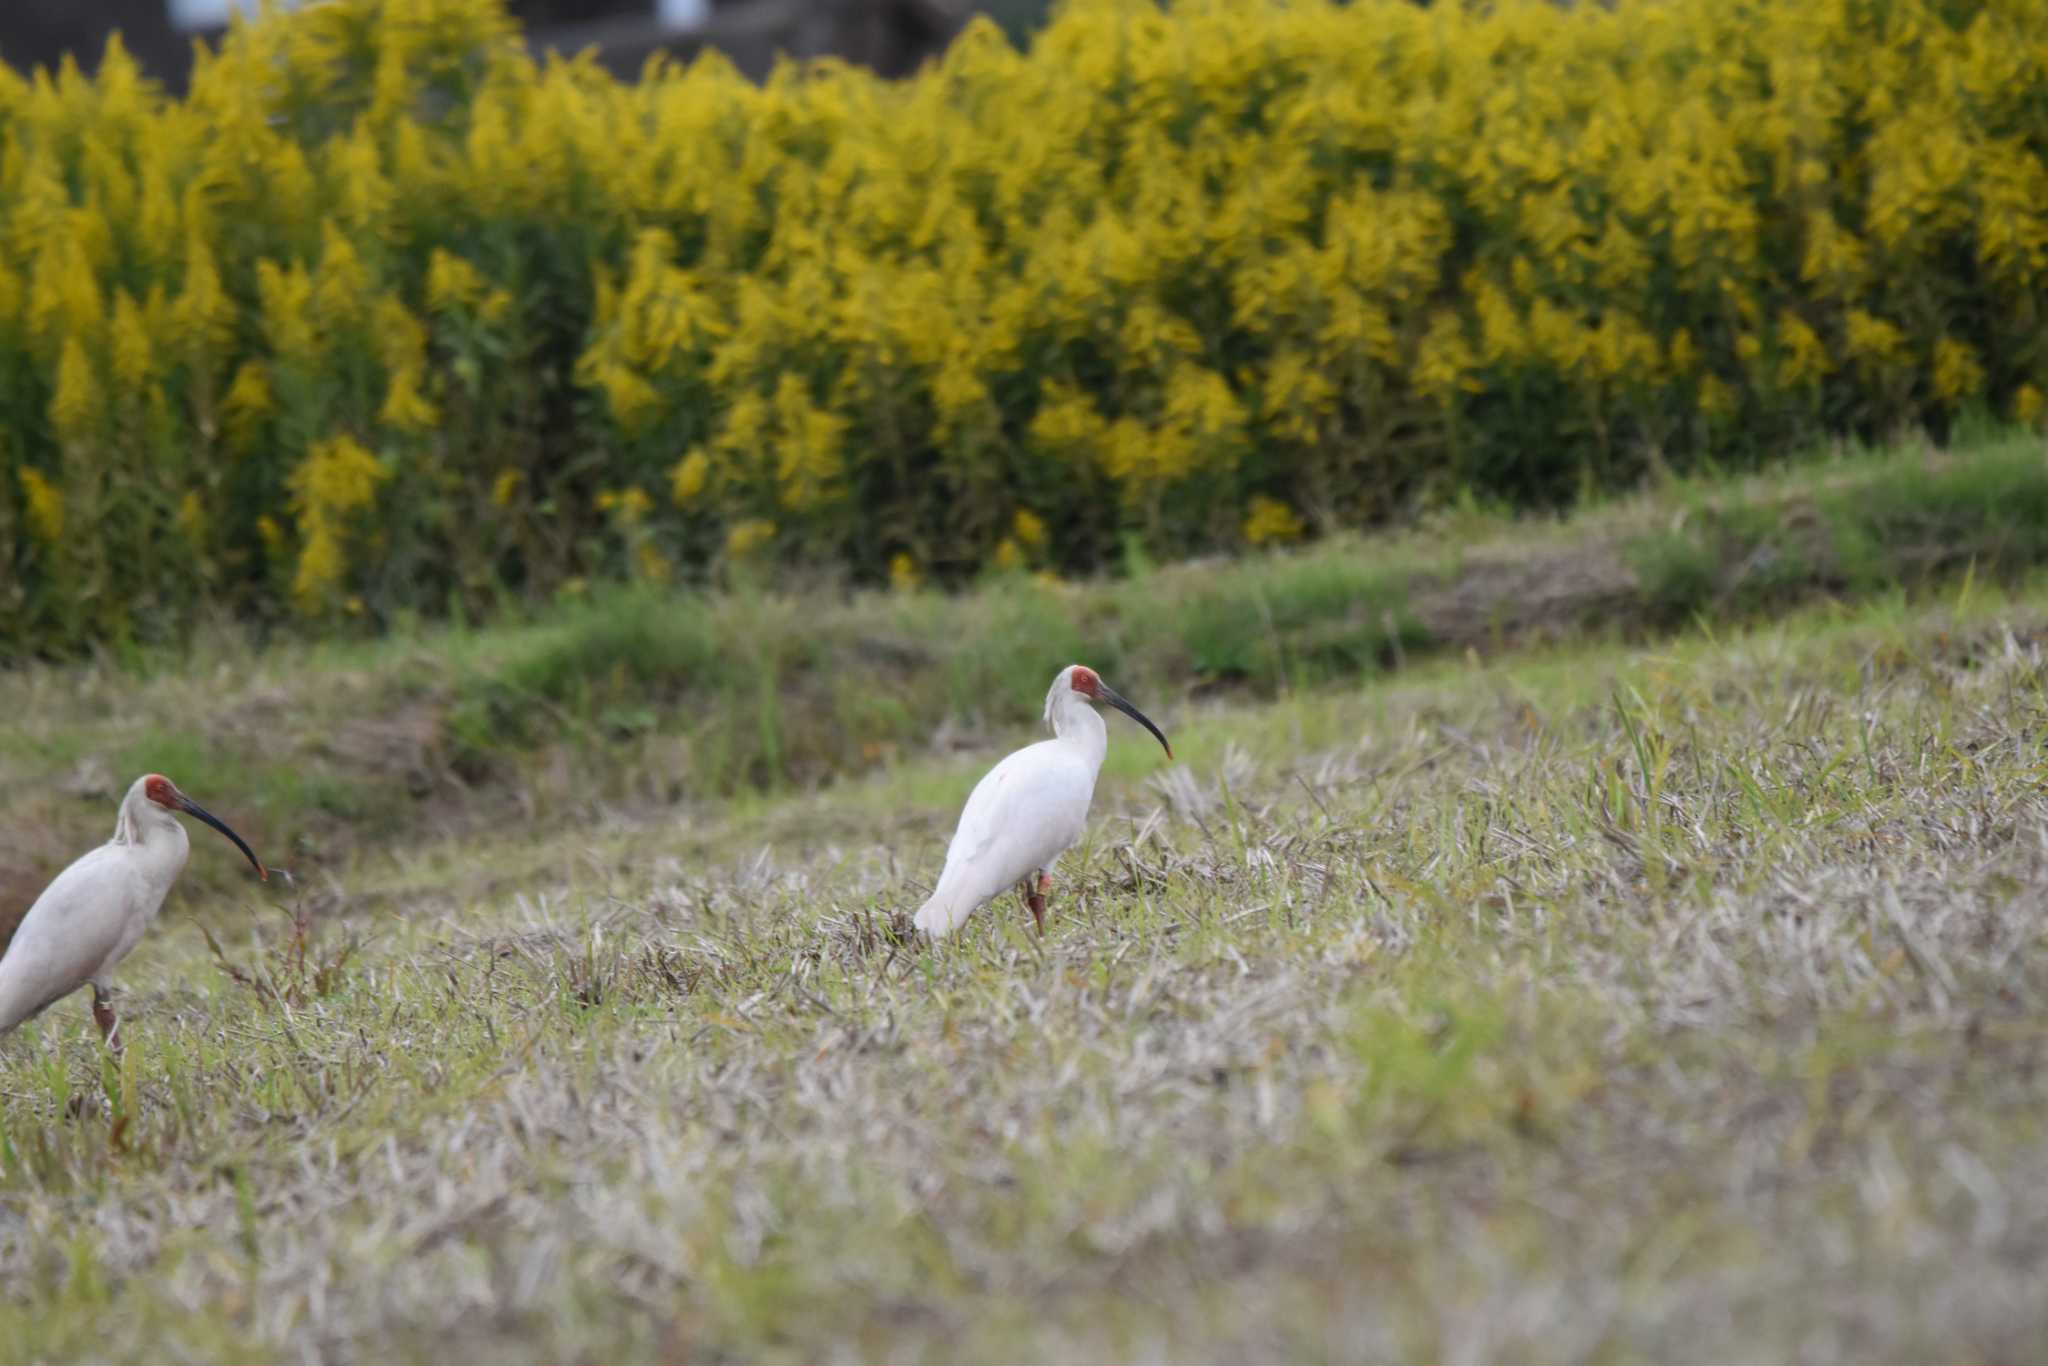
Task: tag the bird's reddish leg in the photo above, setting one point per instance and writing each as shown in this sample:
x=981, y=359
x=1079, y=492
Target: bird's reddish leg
x=1035, y=899
x=109, y=1023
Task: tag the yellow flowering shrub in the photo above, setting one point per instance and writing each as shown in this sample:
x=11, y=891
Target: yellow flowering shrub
x=337, y=478
x=1269, y=521
x=747, y=537
x=45, y=506
x=903, y=573
x=1185, y=271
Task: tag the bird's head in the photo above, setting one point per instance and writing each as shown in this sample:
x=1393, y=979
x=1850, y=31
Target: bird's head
x=1079, y=679
x=160, y=791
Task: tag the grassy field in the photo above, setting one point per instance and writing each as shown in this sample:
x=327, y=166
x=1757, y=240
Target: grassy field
x=1598, y=1000
x=642, y=701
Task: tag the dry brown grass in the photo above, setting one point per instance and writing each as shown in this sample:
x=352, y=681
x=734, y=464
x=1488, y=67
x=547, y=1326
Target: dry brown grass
x=1593, y=1006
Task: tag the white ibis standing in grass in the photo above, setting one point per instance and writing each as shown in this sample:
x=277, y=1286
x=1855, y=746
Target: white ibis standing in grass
x=1030, y=808
x=92, y=915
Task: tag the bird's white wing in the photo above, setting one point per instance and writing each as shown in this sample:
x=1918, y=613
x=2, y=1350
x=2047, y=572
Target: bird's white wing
x=69, y=932
x=1026, y=812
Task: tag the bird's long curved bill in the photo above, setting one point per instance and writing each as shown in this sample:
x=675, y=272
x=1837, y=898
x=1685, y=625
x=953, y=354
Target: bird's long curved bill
x=1122, y=704
x=198, y=812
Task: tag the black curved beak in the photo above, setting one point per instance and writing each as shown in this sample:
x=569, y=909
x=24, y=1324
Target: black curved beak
x=1122, y=704
x=198, y=812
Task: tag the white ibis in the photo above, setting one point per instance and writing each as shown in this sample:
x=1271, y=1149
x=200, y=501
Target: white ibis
x=88, y=919
x=1030, y=808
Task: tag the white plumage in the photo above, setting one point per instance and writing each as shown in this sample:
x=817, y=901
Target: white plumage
x=1030, y=808
x=95, y=911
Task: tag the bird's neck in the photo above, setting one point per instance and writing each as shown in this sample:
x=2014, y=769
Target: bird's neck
x=155, y=834
x=1080, y=725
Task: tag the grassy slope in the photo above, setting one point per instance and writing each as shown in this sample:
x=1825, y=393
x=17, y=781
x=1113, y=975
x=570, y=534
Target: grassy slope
x=639, y=702
x=1602, y=1002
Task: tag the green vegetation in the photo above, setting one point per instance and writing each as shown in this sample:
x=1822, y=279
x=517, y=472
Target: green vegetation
x=639, y=695
x=1608, y=1003
x=1902, y=522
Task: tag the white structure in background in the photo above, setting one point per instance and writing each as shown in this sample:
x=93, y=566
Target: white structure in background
x=682, y=13
x=192, y=15
x=201, y=14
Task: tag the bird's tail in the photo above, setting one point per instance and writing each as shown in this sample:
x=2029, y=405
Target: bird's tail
x=946, y=911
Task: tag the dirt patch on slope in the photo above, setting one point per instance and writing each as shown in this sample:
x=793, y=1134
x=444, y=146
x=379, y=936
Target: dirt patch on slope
x=1525, y=597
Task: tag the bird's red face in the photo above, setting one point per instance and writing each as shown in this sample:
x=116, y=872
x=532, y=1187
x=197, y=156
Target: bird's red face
x=1089, y=684
x=163, y=792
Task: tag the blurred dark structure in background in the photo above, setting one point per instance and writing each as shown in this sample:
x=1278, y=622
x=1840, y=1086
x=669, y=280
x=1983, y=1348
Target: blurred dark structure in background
x=892, y=37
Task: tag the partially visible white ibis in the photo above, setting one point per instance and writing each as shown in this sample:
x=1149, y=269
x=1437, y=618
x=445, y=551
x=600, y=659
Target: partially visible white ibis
x=88, y=919
x=1030, y=808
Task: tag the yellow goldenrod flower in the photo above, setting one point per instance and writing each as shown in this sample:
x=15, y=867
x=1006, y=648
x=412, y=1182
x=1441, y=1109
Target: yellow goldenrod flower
x=1957, y=372
x=1502, y=338
x=75, y=404
x=157, y=227
x=808, y=465
x=1716, y=399
x=632, y=399
x=65, y=298
x=957, y=390
x=341, y=294
x=134, y=354
x=2028, y=404
x=321, y=565
x=903, y=573
x=405, y=408
x=45, y=505
x=451, y=282
x=747, y=537
x=1296, y=396
x=1270, y=521
x=629, y=507
x=337, y=477
x=1803, y=359
x=354, y=167
x=1684, y=353
x=1871, y=341
x=1066, y=419
x=401, y=337
x=202, y=315
x=1443, y=363
x=247, y=403
x=287, y=301
x=192, y=518
x=688, y=478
